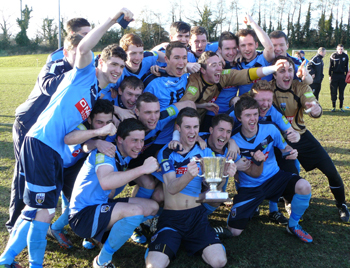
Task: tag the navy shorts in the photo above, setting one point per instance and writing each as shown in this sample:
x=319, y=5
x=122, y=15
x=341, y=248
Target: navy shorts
x=190, y=225
x=248, y=199
x=42, y=169
x=92, y=221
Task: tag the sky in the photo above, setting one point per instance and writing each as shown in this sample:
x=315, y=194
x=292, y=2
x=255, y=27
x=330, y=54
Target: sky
x=10, y=10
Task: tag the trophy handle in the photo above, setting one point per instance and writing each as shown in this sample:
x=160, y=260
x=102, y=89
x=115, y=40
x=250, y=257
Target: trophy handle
x=197, y=161
x=228, y=161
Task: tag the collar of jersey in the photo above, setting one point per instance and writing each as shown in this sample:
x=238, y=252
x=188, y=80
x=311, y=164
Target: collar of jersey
x=137, y=72
x=251, y=139
x=205, y=82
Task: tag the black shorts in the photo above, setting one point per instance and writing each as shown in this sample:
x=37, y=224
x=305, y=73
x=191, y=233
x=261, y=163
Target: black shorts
x=92, y=221
x=248, y=199
x=190, y=225
x=42, y=169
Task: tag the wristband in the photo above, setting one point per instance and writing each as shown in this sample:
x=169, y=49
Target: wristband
x=268, y=70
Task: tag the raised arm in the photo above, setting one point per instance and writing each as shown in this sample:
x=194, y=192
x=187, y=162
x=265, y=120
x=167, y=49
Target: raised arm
x=84, y=55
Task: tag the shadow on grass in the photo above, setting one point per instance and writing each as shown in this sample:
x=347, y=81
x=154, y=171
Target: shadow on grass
x=337, y=113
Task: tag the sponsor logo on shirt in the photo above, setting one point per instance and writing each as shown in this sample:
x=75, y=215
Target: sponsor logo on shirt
x=181, y=170
x=192, y=90
x=226, y=71
x=40, y=198
x=285, y=120
x=213, y=100
x=83, y=108
x=76, y=152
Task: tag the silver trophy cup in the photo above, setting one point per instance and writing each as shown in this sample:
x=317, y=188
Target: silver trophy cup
x=213, y=170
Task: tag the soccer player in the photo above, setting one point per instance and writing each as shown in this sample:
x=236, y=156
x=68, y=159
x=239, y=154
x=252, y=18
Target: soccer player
x=293, y=98
x=338, y=68
x=204, y=87
x=27, y=113
x=87, y=136
x=77, y=25
x=252, y=136
x=43, y=146
x=124, y=98
x=248, y=43
x=198, y=40
x=93, y=209
x=170, y=86
x=183, y=218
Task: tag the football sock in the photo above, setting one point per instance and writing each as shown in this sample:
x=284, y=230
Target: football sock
x=339, y=194
x=273, y=206
x=299, y=204
x=37, y=243
x=119, y=234
x=16, y=242
x=62, y=221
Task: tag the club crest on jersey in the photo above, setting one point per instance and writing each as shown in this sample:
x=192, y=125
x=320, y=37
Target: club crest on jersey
x=40, y=198
x=83, y=108
x=264, y=143
x=153, y=238
x=105, y=208
x=283, y=106
x=233, y=212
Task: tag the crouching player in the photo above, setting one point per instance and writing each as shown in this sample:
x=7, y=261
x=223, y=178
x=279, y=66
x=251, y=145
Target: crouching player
x=93, y=209
x=252, y=136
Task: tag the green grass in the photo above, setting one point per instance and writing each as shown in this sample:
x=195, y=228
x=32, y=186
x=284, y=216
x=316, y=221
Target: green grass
x=262, y=244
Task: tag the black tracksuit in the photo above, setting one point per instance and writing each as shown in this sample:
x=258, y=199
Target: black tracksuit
x=315, y=67
x=338, y=69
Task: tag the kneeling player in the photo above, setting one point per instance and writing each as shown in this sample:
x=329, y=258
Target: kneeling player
x=93, y=209
x=273, y=182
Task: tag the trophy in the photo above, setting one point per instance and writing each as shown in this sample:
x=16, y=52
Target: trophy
x=213, y=173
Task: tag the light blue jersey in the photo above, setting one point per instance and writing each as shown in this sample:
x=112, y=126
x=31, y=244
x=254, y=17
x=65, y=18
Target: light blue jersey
x=87, y=190
x=69, y=106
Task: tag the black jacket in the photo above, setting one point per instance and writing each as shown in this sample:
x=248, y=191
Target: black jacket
x=315, y=66
x=338, y=64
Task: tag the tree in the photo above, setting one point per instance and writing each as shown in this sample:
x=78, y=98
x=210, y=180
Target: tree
x=5, y=27
x=307, y=25
x=22, y=38
x=49, y=32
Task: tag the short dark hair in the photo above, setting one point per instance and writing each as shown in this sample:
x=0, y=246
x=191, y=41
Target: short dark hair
x=146, y=97
x=245, y=103
x=284, y=58
x=113, y=50
x=179, y=27
x=129, y=125
x=171, y=46
x=204, y=58
x=340, y=45
x=102, y=106
x=199, y=30
x=227, y=36
x=188, y=112
x=131, y=81
x=72, y=41
x=278, y=34
x=221, y=117
x=75, y=24
x=246, y=32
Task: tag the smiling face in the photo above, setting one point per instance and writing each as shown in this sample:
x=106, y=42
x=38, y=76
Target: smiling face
x=177, y=62
x=198, y=44
x=135, y=57
x=219, y=136
x=111, y=69
x=132, y=144
x=264, y=98
x=129, y=96
x=188, y=131
x=149, y=114
x=249, y=119
x=212, y=73
x=284, y=76
x=247, y=47
x=280, y=46
x=229, y=50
